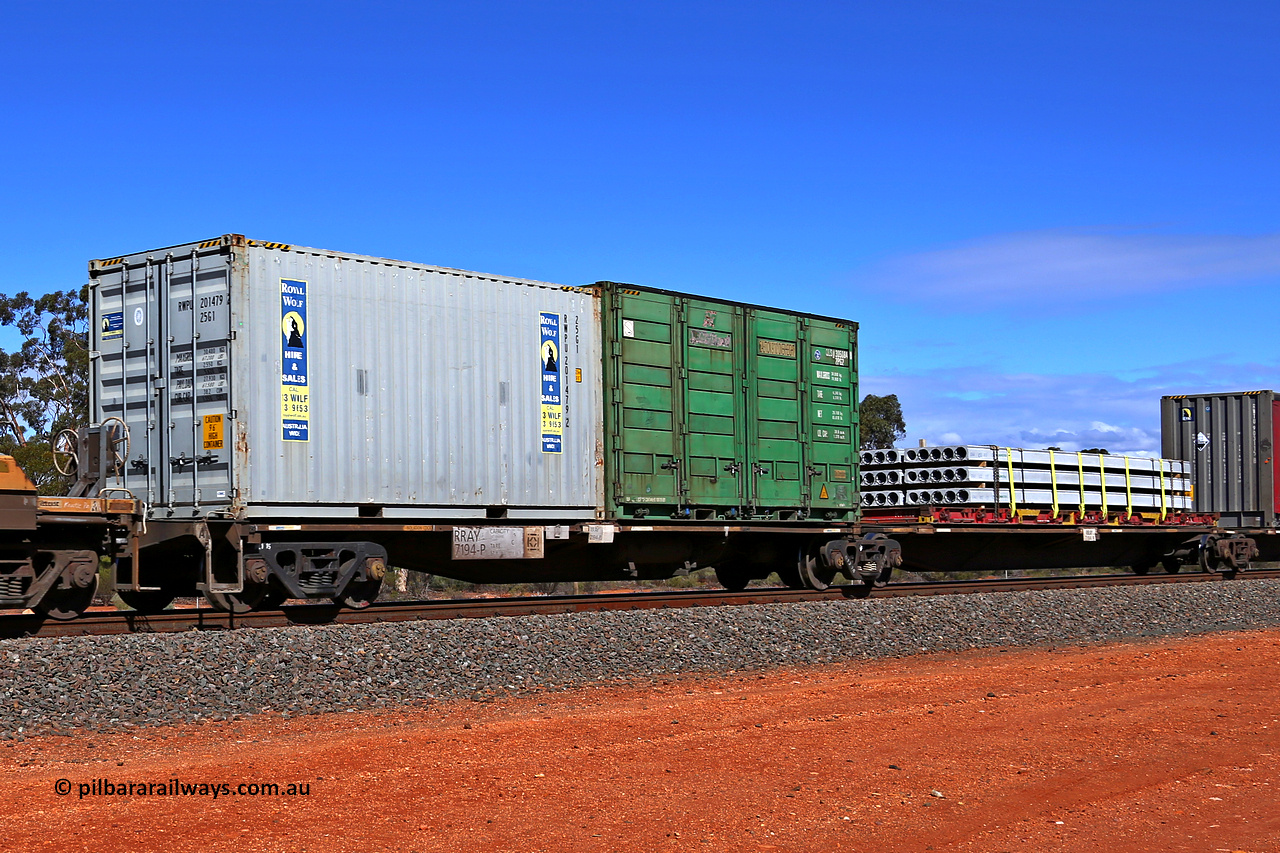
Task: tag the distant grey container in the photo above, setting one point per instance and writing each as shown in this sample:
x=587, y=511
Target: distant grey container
x=419, y=391
x=1230, y=440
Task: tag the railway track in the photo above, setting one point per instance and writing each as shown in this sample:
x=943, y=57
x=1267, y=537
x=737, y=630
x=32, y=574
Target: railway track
x=103, y=623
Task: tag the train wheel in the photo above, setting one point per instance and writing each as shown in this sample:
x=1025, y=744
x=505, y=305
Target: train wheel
x=813, y=575
x=360, y=595
x=146, y=600
x=1141, y=568
x=732, y=578
x=1172, y=565
x=67, y=604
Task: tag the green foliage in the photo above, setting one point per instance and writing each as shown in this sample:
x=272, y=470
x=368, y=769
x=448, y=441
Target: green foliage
x=44, y=384
x=881, y=421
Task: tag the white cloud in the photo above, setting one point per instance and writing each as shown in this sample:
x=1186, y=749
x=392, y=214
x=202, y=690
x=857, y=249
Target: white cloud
x=1066, y=266
x=1072, y=411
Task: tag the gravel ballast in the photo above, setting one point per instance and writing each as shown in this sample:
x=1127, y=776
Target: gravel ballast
x=55, y=685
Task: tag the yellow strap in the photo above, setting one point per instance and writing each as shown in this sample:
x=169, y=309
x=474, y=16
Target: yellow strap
x=1013, y=495
x=1160, y=465
x=1053, y=483
x=1128, y=492
x=1102, y=471
x=1080, y=462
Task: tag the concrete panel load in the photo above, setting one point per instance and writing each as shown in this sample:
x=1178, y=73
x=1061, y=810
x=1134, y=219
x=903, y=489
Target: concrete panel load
x=1024, y=480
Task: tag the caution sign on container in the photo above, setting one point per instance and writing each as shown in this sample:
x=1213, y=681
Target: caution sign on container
x=549, y=358
x=213, y=432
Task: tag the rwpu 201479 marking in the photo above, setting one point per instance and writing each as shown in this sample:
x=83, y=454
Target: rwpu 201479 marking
x=295, y=404
x=550, y=357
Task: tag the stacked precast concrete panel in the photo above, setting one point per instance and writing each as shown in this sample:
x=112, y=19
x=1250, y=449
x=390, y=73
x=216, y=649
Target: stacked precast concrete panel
x=990, y=508
x=1030, y=480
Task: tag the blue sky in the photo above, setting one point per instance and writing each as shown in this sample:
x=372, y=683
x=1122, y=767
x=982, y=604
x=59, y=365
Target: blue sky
x=1043, y=215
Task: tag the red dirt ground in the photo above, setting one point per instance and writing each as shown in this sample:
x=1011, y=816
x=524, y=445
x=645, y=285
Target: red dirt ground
x=1170, y=745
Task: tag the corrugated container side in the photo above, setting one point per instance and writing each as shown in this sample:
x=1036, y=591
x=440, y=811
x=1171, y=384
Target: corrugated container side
x=1230, y=441
x=717, y=409
x=360, y=385
x=425, y=387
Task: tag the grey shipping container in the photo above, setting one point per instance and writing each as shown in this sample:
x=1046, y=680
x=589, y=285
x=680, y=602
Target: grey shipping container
x=262, y=380
x=1230, y=440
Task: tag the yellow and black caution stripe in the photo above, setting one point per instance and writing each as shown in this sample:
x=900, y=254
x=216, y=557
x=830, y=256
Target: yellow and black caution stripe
x=110, y=262
x=284, y=247
x=208, y=244
x=1236, y=394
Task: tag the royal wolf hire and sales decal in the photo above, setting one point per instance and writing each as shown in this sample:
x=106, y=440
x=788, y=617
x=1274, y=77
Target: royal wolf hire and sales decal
x=295, y=406
x=550, y=357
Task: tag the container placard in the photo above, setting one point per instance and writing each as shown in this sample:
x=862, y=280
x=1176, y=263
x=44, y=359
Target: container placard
x=295, y=405
x=777, y=349
x=710, y=338
x=213, y=432
x=113, y=325
x=497, y=543
x=549, y=357
x=830, y=355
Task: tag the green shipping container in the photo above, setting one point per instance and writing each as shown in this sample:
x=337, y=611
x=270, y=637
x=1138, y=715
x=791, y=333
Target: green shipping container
x=721, y=410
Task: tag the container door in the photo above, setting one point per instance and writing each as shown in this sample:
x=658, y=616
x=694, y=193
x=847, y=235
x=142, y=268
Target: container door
x=126, y=331
x=645, y=363
x=715, y=460
x=774, y=436
x=196, y=410
x=1270, y=465
x=831, y=418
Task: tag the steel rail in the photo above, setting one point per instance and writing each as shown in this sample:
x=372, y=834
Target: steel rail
x=102, y=623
